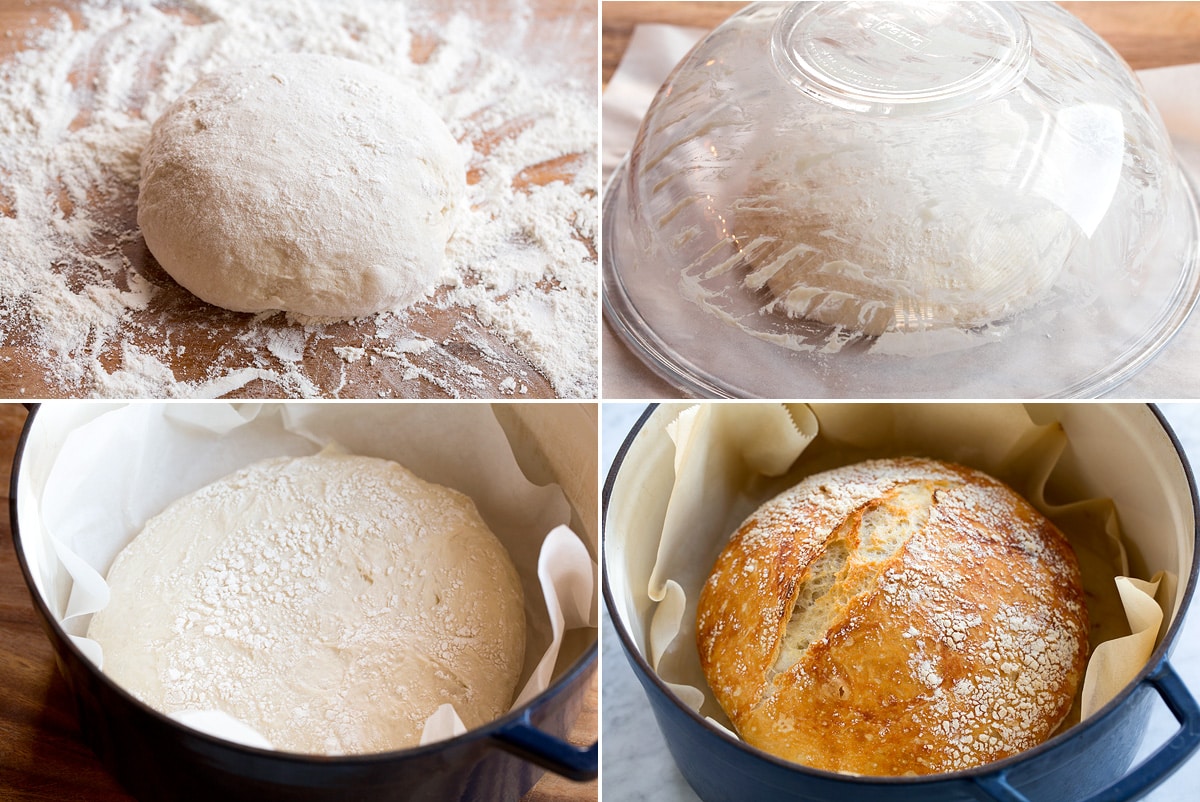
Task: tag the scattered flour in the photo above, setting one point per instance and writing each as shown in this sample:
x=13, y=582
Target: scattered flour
x=84, y=312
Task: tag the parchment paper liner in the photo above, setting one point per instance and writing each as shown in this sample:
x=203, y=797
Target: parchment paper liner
x=98, y=477
x=729, y=458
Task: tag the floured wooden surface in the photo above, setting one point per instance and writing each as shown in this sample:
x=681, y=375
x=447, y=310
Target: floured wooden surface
x=87, y=311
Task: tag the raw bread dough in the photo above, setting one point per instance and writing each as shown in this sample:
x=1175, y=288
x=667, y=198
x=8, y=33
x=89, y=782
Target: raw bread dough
x=891, y=226
x=331, y=602
x=310, y=184
x=981, y=264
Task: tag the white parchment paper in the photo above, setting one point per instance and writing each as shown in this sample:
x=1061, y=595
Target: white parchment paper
x=100, y=472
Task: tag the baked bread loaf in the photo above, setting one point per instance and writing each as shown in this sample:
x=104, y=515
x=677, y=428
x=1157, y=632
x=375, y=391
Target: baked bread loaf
x=893, y=617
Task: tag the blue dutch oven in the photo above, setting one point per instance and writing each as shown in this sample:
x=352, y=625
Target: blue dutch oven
x=1090, y=761
x=157, y=759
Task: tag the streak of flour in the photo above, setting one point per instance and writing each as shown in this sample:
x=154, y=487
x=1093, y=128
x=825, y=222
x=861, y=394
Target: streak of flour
x=76, y=105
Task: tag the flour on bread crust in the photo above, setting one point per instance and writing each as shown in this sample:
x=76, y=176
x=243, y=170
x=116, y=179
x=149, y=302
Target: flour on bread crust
x=895, y=617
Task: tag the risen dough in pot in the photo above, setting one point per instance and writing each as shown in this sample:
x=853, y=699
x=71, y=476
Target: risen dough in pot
x=310, y=184
x=330, y=602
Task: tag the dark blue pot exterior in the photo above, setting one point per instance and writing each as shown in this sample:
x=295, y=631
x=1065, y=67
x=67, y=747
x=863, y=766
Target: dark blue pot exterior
x=1078, y=768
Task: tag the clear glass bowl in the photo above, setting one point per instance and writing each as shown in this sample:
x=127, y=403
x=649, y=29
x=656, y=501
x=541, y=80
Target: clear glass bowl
x=900, y=200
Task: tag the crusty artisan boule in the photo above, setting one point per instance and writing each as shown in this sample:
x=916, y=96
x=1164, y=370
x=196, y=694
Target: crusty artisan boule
x=898, y=616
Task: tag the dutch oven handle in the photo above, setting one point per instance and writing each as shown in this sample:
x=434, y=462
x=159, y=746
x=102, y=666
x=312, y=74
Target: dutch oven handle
x=1156, y=768
x=528, y=742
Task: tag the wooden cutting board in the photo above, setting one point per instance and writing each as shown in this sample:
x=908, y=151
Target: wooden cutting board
x=460, y=356
x=43, y=757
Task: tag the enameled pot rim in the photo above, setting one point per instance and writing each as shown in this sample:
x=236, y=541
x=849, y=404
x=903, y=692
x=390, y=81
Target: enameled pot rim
x=996, y=767
x=486, y=732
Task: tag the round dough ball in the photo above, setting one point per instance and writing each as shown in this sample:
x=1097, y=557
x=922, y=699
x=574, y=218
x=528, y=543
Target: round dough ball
x=898, y=616
x=875, y=226
x=310, y=184
x=331, y=602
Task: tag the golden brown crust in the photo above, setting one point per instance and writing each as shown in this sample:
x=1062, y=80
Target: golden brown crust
x=942, y=622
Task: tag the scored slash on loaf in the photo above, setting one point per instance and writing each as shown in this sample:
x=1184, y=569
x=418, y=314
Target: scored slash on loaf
x=895, y=617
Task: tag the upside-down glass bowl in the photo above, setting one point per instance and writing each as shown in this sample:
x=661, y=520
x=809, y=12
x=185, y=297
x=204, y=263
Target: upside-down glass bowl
x=840, y=199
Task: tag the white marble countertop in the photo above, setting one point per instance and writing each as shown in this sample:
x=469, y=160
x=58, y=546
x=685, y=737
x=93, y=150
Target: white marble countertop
x=635, y=762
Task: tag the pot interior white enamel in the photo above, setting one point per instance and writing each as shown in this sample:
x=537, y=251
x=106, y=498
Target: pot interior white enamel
x=1120, y=451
